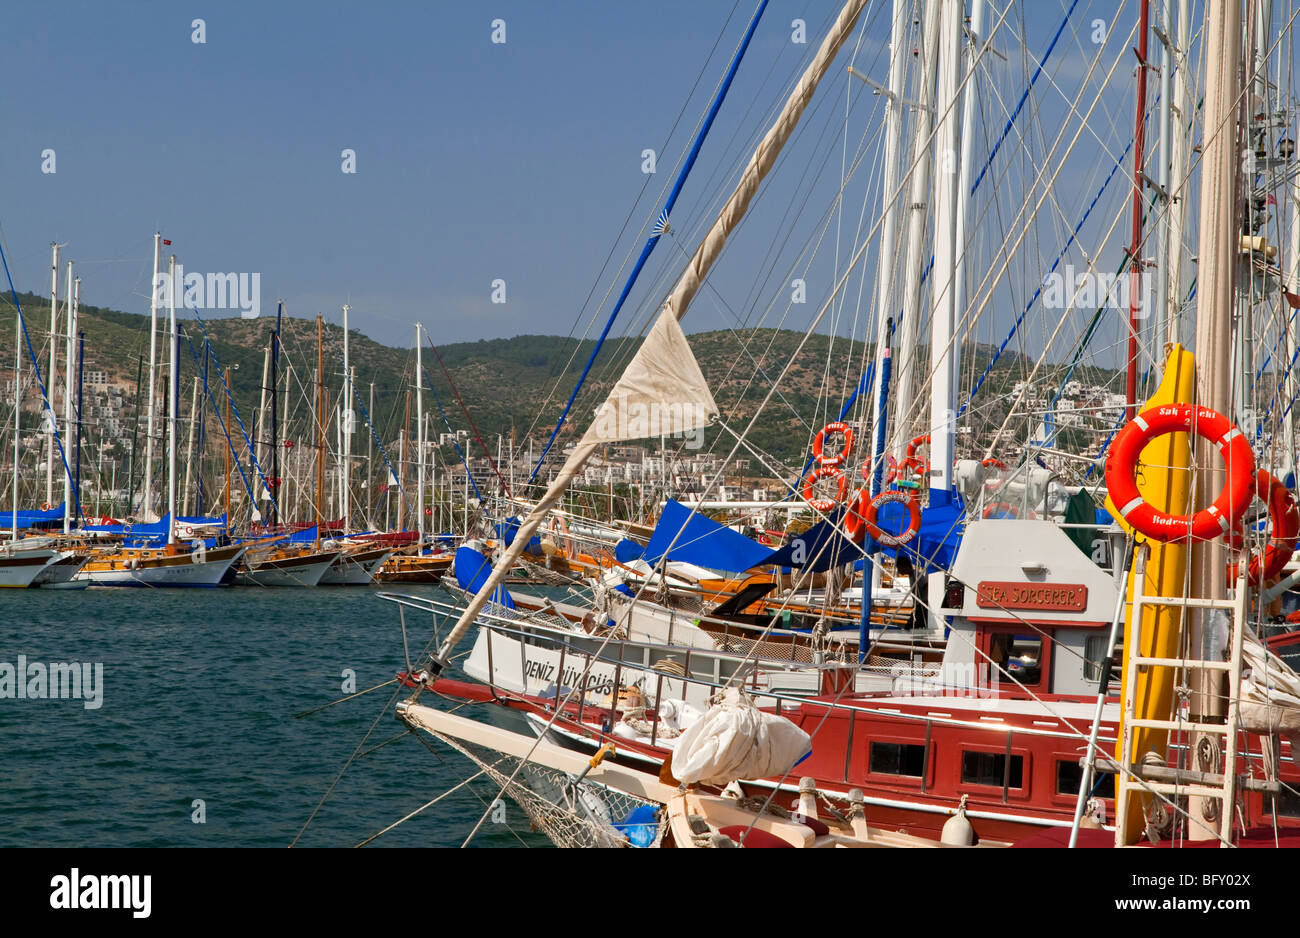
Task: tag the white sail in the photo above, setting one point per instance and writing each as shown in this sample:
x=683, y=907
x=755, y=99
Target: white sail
x=654, y=353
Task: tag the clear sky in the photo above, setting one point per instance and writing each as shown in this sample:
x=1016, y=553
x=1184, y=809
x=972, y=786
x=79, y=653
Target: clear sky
x=474, y=160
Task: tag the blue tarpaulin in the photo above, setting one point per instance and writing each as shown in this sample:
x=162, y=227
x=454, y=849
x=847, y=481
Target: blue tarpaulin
x=818, y=549
x=701, y=541
x=472, y=570
x=33, y=518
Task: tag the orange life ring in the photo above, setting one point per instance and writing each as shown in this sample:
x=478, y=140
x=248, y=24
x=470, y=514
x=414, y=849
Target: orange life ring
x=1284, y=519
x=922, y=466
x=825, y=472
x=820, y=439
x=45, y=507
x=1208, y=523
x=855, y=519
x=913, y=518
x=994, y=463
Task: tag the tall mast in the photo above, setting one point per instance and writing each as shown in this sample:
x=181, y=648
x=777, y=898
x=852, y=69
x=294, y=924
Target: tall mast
x=419, y=431
x=69, y=356
x=18, y=406
x=1179, y=189
x=173, y=389
x=320, y=424
x=918, y=195
x=189, y=446
x=54, y=360
x=889, y=228
x=1216, y=281
x=346, y=429
x=401, y=464
x=227, y=451
x=370, y=463
x=944, y=350
x=1135, y=248
x=81, y=369
x=274, y=481
x=147, y=508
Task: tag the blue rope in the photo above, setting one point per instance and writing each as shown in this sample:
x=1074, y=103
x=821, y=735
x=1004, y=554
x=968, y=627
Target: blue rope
x=661, y=225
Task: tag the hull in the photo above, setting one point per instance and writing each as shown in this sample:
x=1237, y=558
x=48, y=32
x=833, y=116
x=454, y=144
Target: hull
x=62, y=572
x=181, y=570
x=306, y=570
x=356, y=569
x=413, y=569
x=19, y=569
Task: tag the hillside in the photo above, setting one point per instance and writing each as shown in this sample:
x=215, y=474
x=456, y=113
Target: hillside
x=518, y=384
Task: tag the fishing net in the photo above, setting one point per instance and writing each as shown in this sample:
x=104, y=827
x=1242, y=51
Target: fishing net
x=570, y=813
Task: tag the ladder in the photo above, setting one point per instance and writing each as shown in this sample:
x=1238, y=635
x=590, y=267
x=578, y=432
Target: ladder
x=1135, y=778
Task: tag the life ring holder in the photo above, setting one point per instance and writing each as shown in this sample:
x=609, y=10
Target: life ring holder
x=884, y=537
x=1207, y=524
x=820, y=439
x=1284, y=521
x=825, y=472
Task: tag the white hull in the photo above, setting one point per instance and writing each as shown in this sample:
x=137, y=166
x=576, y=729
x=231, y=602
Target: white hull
x=346, y=571
x=206, y=573
x=19, y=568
x=288, y=572
x=62, y=572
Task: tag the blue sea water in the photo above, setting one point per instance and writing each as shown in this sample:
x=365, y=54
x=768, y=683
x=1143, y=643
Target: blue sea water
x=200, y=691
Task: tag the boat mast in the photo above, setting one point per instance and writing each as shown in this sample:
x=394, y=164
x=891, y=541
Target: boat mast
x=1135, y=262
x=885, y=256
x=347, y=423
x=1216, y=280
x=147, y=508
x=1178, y=172
x=54, y=359
x=189, y=447
x=18, y=407
x=944, y=351
x=69, y=356
x=419, y=436
x=320, y=425
x=174, y=340
x=81, y=370
x=227, y=452
x=918, y=193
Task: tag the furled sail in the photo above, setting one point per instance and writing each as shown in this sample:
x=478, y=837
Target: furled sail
x=736, y=740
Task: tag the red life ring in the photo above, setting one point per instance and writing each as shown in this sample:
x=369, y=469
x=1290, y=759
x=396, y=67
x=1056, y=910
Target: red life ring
x=1284, y=519
x=1001, y=509
x=922, y=466
x=45, y=507
x=1121, y=469
x=994, y=463
x=820, y=439
x=855, y=519
x=825, y=472
x=913, y=518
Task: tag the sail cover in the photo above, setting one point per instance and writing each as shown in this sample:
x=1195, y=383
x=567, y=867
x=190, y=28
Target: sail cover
x=702, y=541
x=736, y=740
x=819, y=548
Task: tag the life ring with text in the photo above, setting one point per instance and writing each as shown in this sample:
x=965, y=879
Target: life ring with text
x=820, y=439
x=913, y=518
x=1284, y=522
x=1207, y=524
x=825, y=472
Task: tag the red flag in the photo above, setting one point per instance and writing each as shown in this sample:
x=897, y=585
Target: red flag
x=165, y=241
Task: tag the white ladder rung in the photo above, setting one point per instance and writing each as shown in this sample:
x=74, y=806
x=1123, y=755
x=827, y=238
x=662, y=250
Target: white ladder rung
x=1188, y=726
x=1189, y=602
x=1171, y=788
x=1181, y=663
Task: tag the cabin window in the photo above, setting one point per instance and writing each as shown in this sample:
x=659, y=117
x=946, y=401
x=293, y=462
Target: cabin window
x=990, y=768
x=1094, y=654
x=1069, y=774
x=897, y=759
x=1285, y=803
x=1020, y=656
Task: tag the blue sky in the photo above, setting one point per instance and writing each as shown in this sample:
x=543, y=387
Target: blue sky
x=475, y=161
